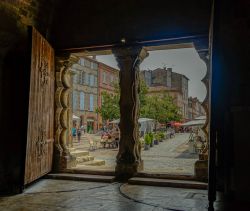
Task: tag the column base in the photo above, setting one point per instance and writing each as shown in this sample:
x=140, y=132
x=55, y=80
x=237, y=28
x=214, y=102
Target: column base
x=124, y=171
x=201, y=170
x=63, y=162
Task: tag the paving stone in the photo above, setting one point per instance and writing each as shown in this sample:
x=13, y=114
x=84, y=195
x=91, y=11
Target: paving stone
x=64, y=195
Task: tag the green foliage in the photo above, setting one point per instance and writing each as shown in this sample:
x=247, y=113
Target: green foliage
x=162, y=109
x=110, y=109
x=147, y=139
x=151, y=135
x=143, y=90
x=159, y=136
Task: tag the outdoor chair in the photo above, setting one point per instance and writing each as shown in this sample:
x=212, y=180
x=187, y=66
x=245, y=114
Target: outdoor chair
x=92, y=143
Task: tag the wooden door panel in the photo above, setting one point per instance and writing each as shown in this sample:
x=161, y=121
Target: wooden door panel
x=40, y=139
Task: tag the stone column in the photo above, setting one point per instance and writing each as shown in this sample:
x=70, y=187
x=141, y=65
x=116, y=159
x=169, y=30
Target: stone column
x=201, y=165
x=62, y=158
x=129, y=155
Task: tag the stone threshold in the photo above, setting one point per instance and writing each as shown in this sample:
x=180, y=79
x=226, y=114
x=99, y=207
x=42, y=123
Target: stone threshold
x=141, y=178
x=81, y=177
x=139, y=174
x=168, y=183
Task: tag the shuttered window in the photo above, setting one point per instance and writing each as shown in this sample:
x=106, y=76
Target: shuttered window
x=91, y=102
x=75, y=100
x=81, y=101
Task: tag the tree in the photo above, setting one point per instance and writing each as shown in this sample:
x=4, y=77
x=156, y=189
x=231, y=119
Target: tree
x=110, y=109
x=162, y=109
x=143, y=94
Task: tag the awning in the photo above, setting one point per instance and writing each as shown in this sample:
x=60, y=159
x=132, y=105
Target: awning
x=200, y=117
x=75, y=117
x=198, y=122
x=140, y=120
x=90, y=120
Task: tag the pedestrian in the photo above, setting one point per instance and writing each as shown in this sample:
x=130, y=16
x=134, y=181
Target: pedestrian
x=79, y=135
x=74, y=132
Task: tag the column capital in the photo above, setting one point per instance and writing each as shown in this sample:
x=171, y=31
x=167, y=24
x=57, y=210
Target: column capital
x=129, y=54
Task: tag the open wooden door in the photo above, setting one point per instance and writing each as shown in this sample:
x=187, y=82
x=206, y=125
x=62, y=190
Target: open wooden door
x=40, y=138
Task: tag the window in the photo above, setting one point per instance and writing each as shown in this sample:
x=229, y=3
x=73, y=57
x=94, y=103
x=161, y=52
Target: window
x=86, y=79
x=94, y=65
x=74, y=100
x=82, y=77
x=91, y=80
x=91, y=102
x=81, y=61
x=95, y=81
x=81, y=101
x=111, y=79
x=87, y=63
x=104, y=80
x=75, y=78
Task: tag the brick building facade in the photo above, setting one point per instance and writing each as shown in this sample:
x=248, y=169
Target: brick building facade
x=107, y=78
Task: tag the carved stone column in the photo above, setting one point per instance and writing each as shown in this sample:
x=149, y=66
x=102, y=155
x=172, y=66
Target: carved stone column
x=201, y=166
x=129, y=155
x=63, y=159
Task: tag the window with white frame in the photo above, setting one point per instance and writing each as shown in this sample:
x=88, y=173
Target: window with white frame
x=104, y=79
x=86, y=81
x=75, y=77
x=81, y=61
x=82, y=101
x=75, y=95
x=91, y=80
x=91, y=102
x=87, y=63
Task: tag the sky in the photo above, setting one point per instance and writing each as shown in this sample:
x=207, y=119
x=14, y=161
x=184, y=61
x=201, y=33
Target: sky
x=185, y=61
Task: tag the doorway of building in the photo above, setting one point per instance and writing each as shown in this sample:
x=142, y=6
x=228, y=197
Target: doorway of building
x=188, y=138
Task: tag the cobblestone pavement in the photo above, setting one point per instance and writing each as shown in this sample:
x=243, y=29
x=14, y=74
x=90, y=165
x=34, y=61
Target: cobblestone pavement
x=171, y=156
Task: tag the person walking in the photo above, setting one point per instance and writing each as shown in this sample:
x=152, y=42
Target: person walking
x=79, y=134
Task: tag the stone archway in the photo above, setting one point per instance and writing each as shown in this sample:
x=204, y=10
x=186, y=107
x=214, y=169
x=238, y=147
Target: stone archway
x=63, y=112
x=201, y=166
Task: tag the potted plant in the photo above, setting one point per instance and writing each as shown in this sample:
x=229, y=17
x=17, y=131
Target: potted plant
x=147, y=141
x=161, y=136
x=151, y=136
x=156, y=139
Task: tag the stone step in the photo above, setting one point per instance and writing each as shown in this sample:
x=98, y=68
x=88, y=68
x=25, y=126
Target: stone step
x=81, y=177
x=78, y=153
x=72, y=149
x=167, y=183
x=93, y=163
x=82, y=159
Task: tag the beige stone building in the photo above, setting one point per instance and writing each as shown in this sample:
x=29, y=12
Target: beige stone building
x=84, y=93
x=195, y=108
x=164, y=81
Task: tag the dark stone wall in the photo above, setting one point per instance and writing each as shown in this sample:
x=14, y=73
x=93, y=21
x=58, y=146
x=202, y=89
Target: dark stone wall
x=15, y=64
x=231, y=97
x=89, y=23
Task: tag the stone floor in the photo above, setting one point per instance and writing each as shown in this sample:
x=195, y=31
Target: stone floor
x=64, y=195
x=171, y=156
